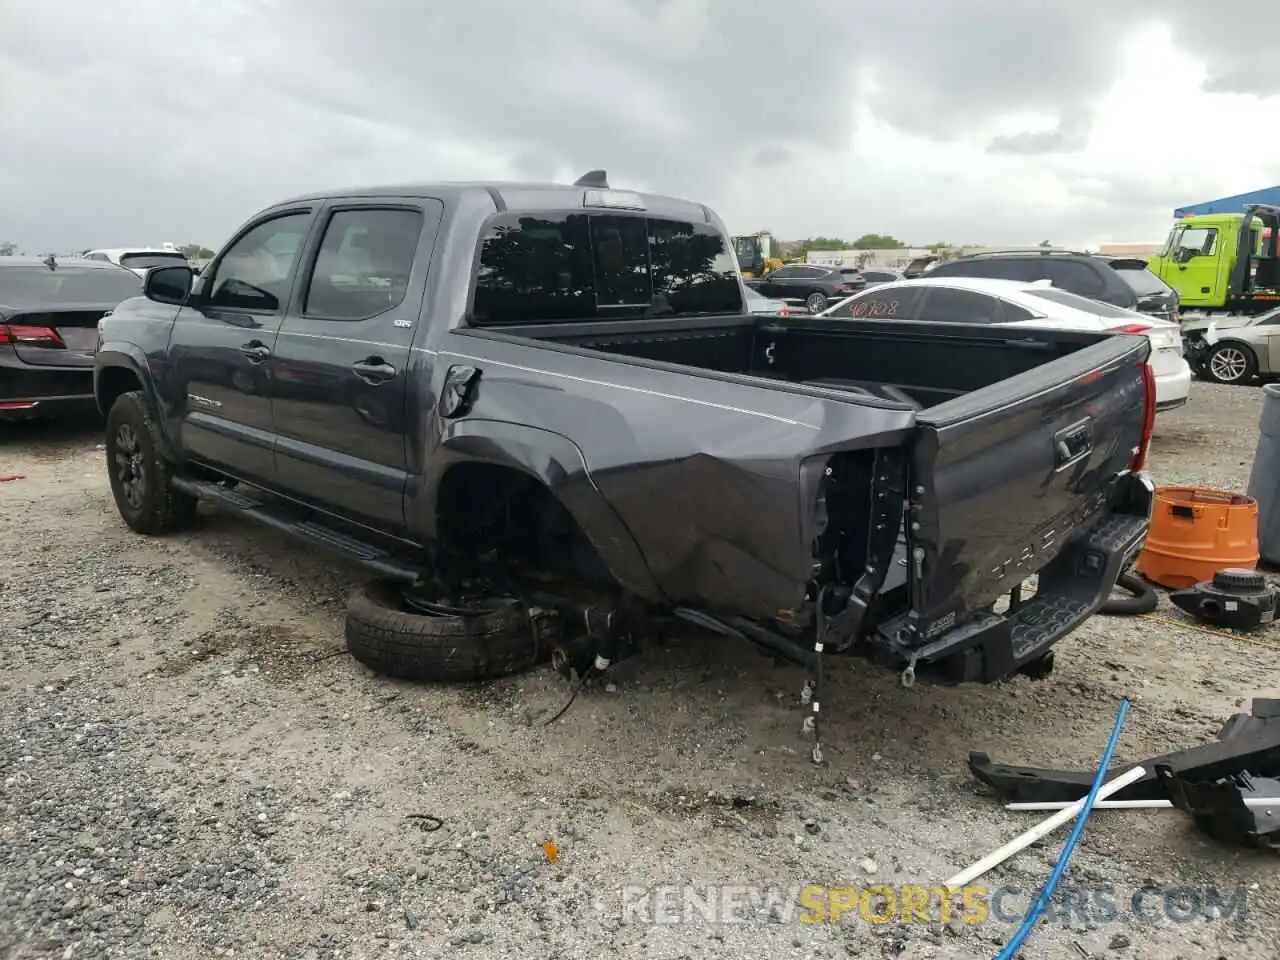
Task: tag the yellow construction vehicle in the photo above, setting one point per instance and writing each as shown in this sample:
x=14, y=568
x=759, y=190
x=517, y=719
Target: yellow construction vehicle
x=755, y=254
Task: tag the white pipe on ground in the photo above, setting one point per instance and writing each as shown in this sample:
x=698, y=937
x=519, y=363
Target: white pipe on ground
x=1251, y=802
x=1042, y=829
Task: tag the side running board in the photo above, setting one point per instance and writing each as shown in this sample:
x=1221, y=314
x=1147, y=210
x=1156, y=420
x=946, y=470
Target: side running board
x=295, y=523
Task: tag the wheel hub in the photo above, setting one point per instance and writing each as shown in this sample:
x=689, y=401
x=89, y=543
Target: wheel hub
x=444, y=603
x=130, y=465
x=1228, y=364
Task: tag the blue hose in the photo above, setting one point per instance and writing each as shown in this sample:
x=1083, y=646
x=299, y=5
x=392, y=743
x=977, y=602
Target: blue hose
x=1068, y=848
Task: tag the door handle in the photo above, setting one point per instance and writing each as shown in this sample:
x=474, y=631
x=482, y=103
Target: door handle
x=256, y=351
x=374, y=370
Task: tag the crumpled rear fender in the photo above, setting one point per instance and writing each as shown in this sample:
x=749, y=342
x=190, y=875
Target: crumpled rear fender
x=556, y=462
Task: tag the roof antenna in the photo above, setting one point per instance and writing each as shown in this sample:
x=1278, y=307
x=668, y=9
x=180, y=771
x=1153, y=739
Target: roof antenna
x=593, y=178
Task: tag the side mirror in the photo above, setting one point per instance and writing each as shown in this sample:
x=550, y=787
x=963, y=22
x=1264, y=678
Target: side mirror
x=171, y=285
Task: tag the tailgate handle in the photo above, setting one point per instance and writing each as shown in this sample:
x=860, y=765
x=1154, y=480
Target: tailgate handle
x=1073, y=442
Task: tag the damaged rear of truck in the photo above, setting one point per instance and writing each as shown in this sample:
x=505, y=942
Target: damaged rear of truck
x=803, y=505
x=945, y=498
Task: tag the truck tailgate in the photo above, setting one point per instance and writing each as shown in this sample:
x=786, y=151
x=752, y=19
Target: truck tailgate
x=1004, y=477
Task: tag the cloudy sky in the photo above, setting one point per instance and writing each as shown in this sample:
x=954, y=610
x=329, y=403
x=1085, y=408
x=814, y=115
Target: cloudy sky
x=979, y=121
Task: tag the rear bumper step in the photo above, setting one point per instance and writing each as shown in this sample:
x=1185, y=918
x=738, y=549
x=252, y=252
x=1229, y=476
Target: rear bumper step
x=988, y=647
x=295, y=523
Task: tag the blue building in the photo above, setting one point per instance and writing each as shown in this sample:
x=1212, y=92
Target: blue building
x=1236, y=204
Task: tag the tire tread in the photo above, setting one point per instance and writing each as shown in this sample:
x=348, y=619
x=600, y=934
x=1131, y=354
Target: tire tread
x=411, y=646
x=165, y=509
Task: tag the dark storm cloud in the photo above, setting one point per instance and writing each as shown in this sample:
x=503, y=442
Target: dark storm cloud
x=175, y=119
x=635, y=87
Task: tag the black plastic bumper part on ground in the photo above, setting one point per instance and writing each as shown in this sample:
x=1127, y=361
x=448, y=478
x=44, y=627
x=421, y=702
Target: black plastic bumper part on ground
x=1246, y=742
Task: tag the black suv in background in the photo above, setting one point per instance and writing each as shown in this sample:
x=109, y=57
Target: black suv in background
x=1122, y=281
x=817, y=287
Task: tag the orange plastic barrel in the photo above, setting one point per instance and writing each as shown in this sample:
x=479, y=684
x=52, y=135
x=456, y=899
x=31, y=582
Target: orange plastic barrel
x=1197, y=532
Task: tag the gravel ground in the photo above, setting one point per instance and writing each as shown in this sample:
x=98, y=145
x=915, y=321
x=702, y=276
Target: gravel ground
x=191, y=768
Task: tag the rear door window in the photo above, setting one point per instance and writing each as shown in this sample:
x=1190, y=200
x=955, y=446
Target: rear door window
x=1143, y=282
x=946, y=305
x=1074, y=276
x=363, y=266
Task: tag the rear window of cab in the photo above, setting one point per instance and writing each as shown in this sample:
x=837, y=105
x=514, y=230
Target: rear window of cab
x=567, y=266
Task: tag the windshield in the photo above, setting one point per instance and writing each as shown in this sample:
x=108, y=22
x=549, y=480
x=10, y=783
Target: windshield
x=1143, y=282
x=29, y=287
x=747, y=249
x=145, y=261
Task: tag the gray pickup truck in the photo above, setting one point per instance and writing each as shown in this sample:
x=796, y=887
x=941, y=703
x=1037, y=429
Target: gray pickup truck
x=558, y=387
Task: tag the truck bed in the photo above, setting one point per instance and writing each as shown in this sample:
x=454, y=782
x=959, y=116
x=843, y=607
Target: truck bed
x=857, y=357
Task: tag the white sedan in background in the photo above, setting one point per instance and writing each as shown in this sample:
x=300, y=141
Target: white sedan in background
x=759, y=303
x=1018, y=303
x=139, y=259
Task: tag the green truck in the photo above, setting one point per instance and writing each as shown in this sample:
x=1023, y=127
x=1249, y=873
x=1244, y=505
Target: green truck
x=1217, y=266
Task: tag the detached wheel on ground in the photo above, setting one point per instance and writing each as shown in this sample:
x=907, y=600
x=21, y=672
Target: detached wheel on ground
x=427, y=635
x=141, y=479
x=1230, y=363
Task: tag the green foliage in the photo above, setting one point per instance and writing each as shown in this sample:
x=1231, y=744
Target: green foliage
x=877, y=241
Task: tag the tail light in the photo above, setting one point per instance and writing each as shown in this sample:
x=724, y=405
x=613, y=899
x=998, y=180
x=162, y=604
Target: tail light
x=846, y=288
x=16, y=333
x=1130, y=328
x=1148, y=418
x=784, y=311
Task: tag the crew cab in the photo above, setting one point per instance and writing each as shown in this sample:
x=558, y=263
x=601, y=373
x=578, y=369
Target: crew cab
x=561, y=383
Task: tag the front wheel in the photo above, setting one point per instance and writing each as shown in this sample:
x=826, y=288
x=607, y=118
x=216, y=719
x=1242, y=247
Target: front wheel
x=141, y=479
x=816, y=302
x=1230, y=363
